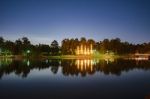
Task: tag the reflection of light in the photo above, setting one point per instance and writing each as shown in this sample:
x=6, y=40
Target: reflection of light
x=109, y=60
x=46, y=61
x=84, y=65
x=5, y=61
x=81, y=64
x=77, y=63
x=141, y=58
x=59, y=62
x=85, y=62
x=88, y=63
x=28, y=63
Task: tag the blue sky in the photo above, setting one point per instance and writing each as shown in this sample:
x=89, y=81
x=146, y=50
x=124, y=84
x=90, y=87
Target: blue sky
x=45, y=20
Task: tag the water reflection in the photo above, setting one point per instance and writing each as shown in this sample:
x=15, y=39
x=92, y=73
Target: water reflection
x=71, y=67
x=88, y=65
x=84, y=65
x=5, y=61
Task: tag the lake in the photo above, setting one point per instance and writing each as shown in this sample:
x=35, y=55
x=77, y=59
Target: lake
x=74, y=79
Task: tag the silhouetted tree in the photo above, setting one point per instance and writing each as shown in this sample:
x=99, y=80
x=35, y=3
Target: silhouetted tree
x=54, y=48
x=18, y=47
x=68, y=46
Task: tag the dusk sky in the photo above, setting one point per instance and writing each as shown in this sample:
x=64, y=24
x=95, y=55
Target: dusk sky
x=45, y=20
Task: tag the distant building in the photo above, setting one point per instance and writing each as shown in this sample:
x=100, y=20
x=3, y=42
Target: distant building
x=84, y=50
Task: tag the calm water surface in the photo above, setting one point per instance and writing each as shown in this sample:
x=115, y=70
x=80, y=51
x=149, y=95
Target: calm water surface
x=74, y=79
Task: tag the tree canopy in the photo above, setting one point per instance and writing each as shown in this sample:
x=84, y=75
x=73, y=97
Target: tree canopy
x=68, y=46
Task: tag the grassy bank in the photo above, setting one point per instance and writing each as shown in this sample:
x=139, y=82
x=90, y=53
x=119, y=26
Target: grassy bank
x=102, y=56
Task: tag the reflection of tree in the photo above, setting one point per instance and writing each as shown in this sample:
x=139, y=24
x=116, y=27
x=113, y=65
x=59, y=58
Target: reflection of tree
x=73, y=67
x=54, y=66
x=122, y=65
x=68, y=68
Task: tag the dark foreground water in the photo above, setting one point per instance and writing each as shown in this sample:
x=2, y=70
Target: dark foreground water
x=74, y=79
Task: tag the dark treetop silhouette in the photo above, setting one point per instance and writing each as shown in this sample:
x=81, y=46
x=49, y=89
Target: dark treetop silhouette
x=68, y=46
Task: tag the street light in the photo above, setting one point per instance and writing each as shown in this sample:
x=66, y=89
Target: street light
x=28, y=51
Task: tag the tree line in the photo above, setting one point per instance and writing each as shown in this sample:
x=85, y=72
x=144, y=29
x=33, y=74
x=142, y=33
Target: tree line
x=113, y=45
x=23, y=46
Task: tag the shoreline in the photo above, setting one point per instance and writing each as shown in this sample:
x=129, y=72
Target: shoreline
x=62, y=57
x=102, y=56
